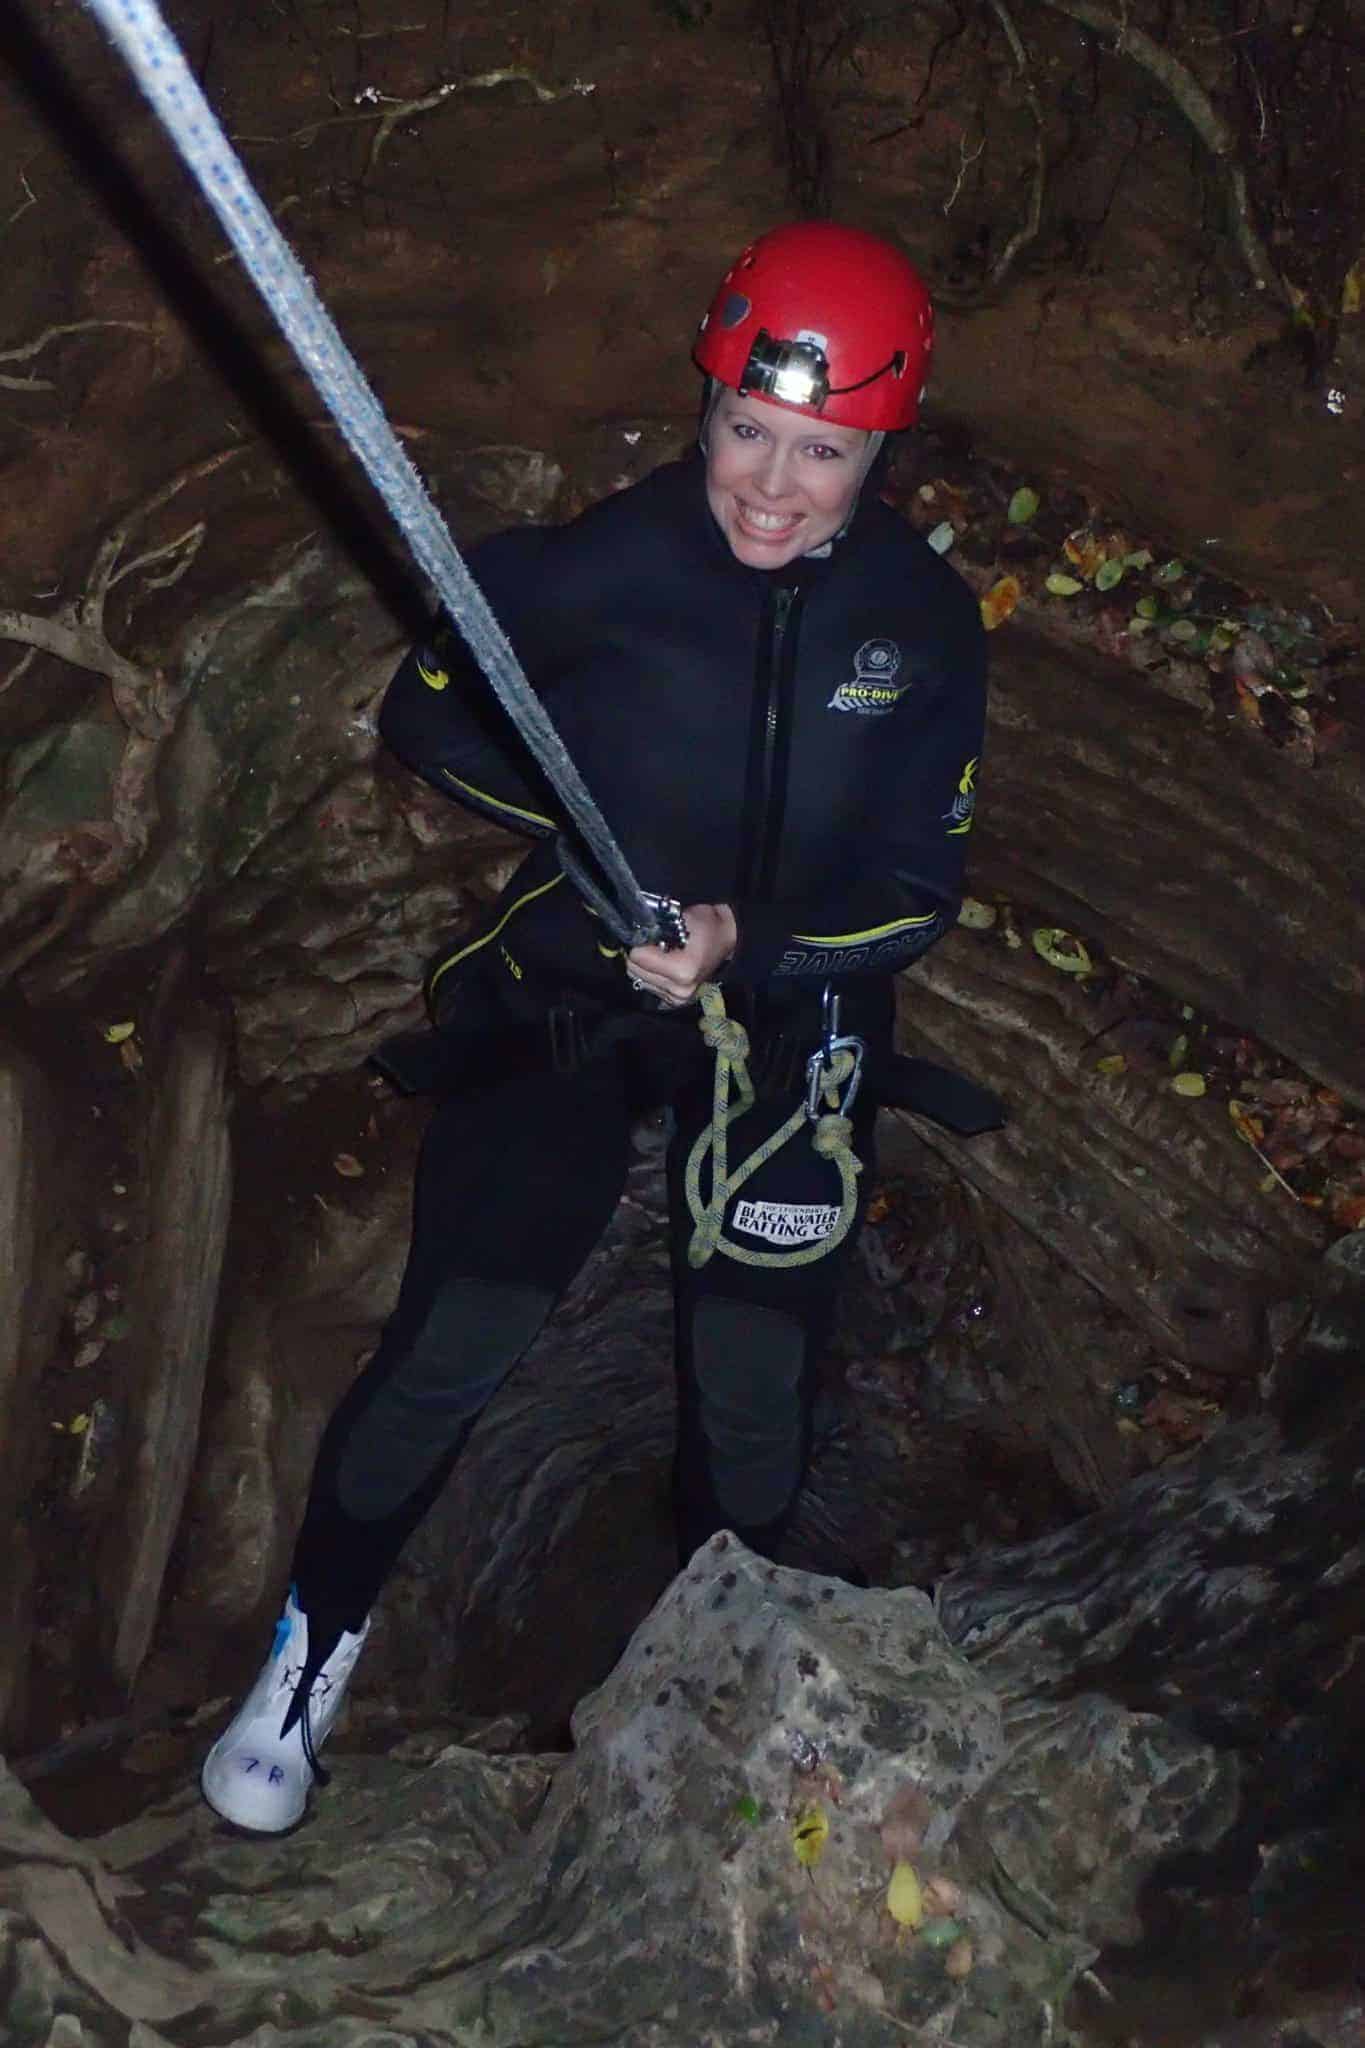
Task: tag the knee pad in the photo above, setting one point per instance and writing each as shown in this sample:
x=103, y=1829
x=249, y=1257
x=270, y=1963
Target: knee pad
x=473, y=1334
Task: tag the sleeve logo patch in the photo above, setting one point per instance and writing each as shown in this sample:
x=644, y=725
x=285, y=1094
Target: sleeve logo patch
x=958, y=817
x=875, y=686
x=430, y=670
x=785, y=1222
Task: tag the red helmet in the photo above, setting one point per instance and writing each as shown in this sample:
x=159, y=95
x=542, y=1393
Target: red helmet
x=823, y=319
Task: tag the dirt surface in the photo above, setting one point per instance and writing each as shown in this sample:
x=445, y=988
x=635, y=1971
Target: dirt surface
x=521, y=258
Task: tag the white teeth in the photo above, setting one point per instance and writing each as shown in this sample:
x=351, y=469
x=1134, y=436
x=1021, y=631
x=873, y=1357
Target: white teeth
x=771, y=522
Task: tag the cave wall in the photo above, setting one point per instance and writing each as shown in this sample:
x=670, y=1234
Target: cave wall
x=199, y=838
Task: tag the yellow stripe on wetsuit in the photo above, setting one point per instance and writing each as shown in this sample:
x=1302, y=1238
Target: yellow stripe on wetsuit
x=876, y=931
x=484, y=938
x=497, y=803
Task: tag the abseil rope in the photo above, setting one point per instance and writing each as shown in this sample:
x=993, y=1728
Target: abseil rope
x=140, y=34
x=830, y=1139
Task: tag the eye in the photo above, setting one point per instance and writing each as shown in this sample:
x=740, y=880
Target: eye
x=824, y=453
x=745, y=430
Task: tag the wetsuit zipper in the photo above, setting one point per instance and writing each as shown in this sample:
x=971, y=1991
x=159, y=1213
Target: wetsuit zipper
x=770, y=738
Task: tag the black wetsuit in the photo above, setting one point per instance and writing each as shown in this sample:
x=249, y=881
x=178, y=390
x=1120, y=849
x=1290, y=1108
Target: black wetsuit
x=800, y=744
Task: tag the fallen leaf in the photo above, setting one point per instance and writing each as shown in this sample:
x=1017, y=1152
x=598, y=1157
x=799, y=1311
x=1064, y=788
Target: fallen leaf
x=908, y=1814
x=1083, y=550
x=1063, y=586
x=1248, y=704
x=84, y=1312
x=1112, y=630
x=940, y=1933
x=1023, y=505
x=1108, y=574
x=942, y=1897
x=810, y=1832
x=78, y=1425
x=831, y=1782
x=1000, y=600
x=114, y=1034
x=822, y=1983
x=1188, y=1084
x=960, y=1958
x=1282, y=1091
x=1112, y=1063
x=348, y=1166
x=942, y=537
x=746, y=1808
x=977, y=916
x=1183, y=1420
x=1169, y=572
x=1062, y=950
x=1246, y=1125
x=1348, y=1211
x=904, y=1899
x=131, y=1055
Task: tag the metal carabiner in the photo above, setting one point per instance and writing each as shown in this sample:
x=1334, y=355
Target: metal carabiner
x=821, y=1060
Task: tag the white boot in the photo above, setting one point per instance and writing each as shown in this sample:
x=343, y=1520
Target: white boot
x=257, y=1774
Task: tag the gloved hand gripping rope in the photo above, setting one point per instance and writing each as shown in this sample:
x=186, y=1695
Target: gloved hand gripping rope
x=831, y=1137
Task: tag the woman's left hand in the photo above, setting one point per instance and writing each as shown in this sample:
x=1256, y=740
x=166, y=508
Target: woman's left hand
x=675, y=976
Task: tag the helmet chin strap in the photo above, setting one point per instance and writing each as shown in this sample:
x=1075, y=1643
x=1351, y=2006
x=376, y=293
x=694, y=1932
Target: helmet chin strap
x=712, y=395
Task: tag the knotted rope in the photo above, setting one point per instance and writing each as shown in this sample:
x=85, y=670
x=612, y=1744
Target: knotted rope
x=831, y=1139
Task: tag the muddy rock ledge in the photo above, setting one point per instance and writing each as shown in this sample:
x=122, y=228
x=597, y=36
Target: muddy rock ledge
x=713, y=1862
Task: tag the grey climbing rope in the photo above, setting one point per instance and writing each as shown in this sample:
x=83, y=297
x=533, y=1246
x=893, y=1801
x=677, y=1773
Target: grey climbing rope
x=139, y=32
x=831, y=1138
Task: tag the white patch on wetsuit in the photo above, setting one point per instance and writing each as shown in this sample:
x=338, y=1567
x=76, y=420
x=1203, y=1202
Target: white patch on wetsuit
x=786, y=1222
x=875, y=686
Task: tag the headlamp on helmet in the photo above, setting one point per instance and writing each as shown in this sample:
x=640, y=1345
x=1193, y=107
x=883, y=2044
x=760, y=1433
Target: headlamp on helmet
x=797, y=372
x=794, y=372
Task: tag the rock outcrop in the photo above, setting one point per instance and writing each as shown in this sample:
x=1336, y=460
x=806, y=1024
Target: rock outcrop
x=711, y=1864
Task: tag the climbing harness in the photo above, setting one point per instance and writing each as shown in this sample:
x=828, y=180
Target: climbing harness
x=139, y=32
x=836, y=1065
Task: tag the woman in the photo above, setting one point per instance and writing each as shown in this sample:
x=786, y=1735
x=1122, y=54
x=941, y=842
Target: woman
x=775, y=692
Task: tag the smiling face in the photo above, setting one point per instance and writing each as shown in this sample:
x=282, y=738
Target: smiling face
x=779, y=483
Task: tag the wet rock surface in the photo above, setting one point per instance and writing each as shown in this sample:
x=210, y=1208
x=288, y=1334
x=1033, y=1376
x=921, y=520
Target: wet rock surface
x=1167, y=1686
x=648, y=1887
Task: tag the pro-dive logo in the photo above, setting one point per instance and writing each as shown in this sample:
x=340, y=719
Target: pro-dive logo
x=874, y=688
